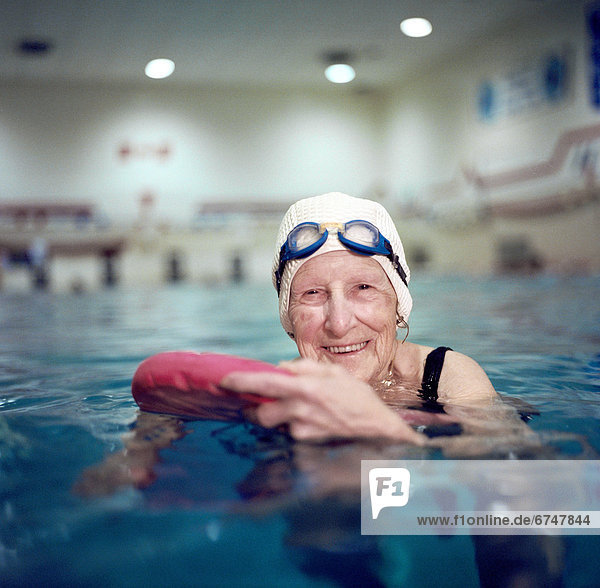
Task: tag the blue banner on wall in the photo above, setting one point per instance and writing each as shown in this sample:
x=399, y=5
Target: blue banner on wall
x=538, y=83
x=593, y=27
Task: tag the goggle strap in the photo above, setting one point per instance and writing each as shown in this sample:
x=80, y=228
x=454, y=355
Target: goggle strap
x=395, y=260
x=278, y=281
x=396, y=263
x=279, y=271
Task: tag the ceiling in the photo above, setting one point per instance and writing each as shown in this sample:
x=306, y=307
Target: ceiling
x=242, y=42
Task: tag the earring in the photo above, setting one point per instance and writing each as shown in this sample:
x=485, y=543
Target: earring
x=402, y=324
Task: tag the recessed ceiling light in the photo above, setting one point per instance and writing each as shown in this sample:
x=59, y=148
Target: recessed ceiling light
x=158, y=69
x=416, y=27
x=339, y=70
x=340, y=73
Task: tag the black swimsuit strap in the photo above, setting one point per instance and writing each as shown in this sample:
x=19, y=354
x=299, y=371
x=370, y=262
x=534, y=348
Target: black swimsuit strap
x=431, y=374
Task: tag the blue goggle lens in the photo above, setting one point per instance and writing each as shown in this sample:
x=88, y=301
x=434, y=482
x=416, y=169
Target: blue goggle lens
x=304, y=237
x=364, y=234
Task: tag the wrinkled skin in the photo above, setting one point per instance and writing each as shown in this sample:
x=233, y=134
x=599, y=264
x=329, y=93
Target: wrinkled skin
x=343, y=311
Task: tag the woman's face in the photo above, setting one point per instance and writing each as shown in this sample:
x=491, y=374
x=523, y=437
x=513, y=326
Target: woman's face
x=343, y=310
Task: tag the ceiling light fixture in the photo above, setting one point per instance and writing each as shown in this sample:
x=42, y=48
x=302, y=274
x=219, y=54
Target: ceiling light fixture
x=416, y=27
x=339, y=70
x=158, y=69
x=340, y=73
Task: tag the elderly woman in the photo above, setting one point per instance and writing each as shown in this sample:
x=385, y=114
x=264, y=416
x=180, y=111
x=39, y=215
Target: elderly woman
x=342, y=280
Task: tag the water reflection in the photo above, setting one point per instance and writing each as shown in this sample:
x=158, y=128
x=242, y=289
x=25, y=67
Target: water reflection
x=314, y=487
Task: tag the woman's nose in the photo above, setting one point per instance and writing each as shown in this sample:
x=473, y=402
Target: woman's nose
x=339, y=315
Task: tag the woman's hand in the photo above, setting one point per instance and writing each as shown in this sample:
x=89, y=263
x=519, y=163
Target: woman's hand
x=319, y=402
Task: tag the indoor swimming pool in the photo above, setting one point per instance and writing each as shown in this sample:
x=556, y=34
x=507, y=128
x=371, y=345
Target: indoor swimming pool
x=218, y=504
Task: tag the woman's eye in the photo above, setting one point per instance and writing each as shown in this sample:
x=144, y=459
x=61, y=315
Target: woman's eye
x=313, y=296
x=363, y=286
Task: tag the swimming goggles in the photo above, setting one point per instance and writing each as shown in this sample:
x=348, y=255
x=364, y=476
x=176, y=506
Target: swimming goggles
x=359, y=236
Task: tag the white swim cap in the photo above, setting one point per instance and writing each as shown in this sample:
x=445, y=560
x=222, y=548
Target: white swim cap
x=339, y=208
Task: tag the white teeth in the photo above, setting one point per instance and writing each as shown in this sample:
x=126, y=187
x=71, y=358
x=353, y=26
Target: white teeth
x=347, y=348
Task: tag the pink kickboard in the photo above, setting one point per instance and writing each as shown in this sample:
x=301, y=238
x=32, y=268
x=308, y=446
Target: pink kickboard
x=186, y=383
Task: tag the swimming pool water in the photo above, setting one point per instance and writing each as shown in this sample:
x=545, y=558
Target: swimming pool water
x=236, y=506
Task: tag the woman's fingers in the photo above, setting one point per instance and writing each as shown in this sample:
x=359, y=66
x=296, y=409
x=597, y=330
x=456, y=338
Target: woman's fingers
x=261, y=383
x=273, y=414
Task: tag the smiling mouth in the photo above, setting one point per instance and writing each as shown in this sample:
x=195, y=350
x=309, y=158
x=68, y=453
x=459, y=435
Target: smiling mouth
x=347, y=348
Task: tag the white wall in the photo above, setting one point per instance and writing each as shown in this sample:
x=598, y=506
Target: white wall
x=63, y=142
x=60, y=141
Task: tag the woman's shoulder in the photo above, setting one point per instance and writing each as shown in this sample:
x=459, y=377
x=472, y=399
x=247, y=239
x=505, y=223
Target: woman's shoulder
x=464, y=379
